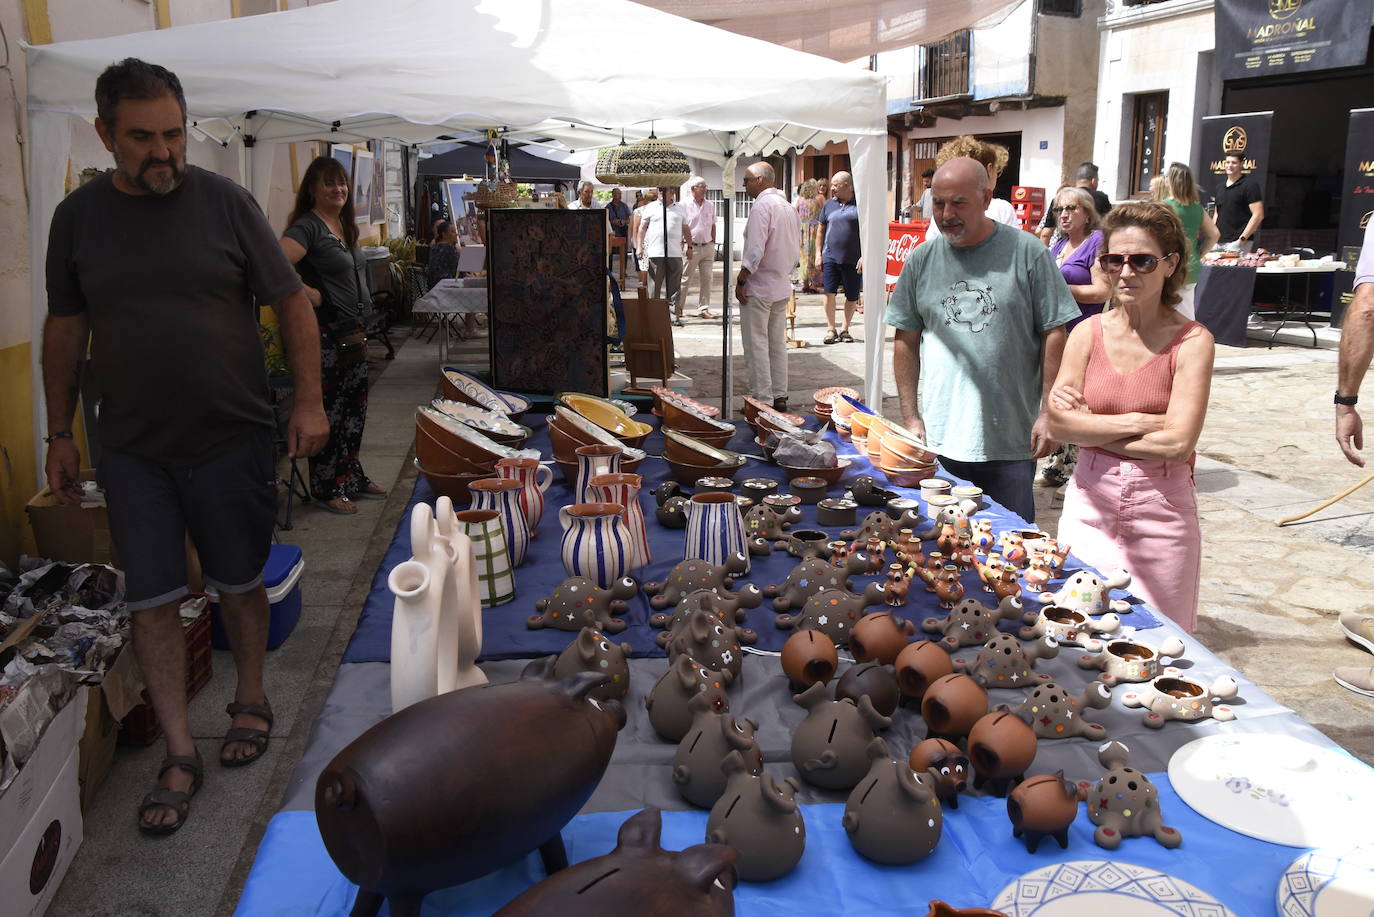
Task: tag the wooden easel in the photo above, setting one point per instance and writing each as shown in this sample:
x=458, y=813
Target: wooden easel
x=648, y=340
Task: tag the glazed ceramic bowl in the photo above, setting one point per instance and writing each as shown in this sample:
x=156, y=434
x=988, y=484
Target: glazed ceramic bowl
x=453, y=486
x=911, y=476
x=752, y=406
x=858, y=424
x=828, y=475
x=662, y=394
x=719, y=439
x=492, y=424
x=588, y=433
x=687, y=474
x=458, y=437
x=934, y=486
x=608, y=417
x=766, y=449
x=432, y=453
x=462, y=386
x=902, y=443
x=689, y=449
x=844, y=404
x=821, y=397
x=684, y=417
x=778, y=422
x=624, y=407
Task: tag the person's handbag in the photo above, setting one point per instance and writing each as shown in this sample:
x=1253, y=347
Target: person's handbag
x=349, y=341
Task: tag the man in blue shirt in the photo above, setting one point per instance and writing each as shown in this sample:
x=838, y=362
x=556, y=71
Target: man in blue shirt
x=841, y=256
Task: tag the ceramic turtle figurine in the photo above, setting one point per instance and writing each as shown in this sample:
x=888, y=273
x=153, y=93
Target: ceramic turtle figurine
x=1003, y=662
x=834, y=612
x=693, y=574
x=1173, y=697
x=1054, y=713
x=828, y=747
x=579, y=602
x=1124, y=803
x=878, y=524
x=729, y=608
x=806, y=579
x=1088, y=593
x=971, y=623
x=893, y=815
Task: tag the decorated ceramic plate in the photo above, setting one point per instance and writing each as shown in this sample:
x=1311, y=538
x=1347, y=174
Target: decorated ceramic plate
x=1093, y=888
x=1277, y=788
x=719, y=456
x=1330, y=882
x=568, y=415
x=481, y=441
x=517, y=404
x=478, y=419
x=477, y=390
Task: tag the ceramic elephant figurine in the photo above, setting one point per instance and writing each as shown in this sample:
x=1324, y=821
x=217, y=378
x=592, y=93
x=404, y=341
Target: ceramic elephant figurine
x=714, y=734
x=591, y=651
x=1173, y=697
x=710, y=642
x=972, y=623
x=667, y=700
x=760, y=818
x=893, y=815
x=1004, y=663
x=579, y=602
x=638, y=874
x=693, y=574
x=829, y=746
x=1129, y=661
x=1087, y=593
x=1054, y=713
x=1124, y=803
x=729, y=608
x=834, y=612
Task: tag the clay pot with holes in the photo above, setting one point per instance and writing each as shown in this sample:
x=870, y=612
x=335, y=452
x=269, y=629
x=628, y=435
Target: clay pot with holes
x=809, y=657
x=1000, y=747
x=918, y=665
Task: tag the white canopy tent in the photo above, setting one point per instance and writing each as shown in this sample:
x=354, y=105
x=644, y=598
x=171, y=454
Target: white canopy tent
x=411, y=70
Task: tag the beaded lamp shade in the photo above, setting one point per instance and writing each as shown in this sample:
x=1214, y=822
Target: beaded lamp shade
x=608, y=164
x=652, y=163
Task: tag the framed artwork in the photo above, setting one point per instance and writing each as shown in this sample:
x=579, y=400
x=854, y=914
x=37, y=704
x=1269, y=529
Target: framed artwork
x=362, y=185
x=343, y=152
x=462, y=208
x=377, y=210
x=547, y=289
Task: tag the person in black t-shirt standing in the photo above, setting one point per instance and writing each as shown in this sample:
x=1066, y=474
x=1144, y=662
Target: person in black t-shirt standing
x=162, y=266
x=1240, y=206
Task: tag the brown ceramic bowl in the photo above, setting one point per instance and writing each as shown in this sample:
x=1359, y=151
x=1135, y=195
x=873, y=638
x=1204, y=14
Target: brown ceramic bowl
x=453, y=486
x=434, y=455
x=908, y=476
x=466, y=448
x=821, y=397
x=902, y=443
x=689, y=421
x=777, y=422
x=752, y=406
x=682, y=447
x=687, y=474
x=766, y=449
x=565, y=440
x=718, y=438
x=828, y=475
x=662, y=394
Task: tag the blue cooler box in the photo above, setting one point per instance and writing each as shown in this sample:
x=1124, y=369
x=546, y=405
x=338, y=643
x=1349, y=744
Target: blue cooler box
x=282, y=577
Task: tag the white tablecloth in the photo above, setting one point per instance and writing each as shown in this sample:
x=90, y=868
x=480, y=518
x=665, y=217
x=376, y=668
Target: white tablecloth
x=450, y=297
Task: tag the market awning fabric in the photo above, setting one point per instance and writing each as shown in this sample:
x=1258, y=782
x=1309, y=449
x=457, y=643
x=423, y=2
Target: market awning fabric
x=469, y=159
x=842, y=30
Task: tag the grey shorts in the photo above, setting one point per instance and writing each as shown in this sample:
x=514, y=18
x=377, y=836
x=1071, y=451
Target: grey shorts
x=227, y=502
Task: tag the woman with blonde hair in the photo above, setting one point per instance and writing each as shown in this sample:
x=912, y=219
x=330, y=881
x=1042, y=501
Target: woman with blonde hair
x=994, y=158
x=1132, y=394
x=1179, y=191
x=809, y=203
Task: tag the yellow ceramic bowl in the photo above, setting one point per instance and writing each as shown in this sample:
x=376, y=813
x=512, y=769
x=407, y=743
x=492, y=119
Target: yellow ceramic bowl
x=606, y=416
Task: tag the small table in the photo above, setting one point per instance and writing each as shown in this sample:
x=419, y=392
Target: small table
x=1285, y=311
x=448, y=299
x=618, y=244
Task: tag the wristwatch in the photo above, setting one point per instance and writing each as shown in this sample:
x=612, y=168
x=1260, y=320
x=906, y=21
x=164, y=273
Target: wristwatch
x=1348, y=400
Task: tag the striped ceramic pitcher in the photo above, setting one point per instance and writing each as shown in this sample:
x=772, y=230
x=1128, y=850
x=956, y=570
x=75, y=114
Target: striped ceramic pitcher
x=596, y=543
x=624, y=489
x=715, y=529
x=503, y=495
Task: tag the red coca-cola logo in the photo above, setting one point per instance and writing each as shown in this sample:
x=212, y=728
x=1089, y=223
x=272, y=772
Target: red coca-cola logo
x=899, y=250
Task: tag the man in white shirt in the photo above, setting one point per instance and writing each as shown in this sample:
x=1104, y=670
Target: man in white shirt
x=664, y=268
x=772, y=248
x=701, y=252
x=585, y=200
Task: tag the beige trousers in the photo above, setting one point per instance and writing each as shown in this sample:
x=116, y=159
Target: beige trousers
x=763, y=329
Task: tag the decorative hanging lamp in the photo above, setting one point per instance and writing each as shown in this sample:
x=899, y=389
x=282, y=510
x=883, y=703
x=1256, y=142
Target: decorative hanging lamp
x=496, y=190
x=652, y=163
x=608, y=162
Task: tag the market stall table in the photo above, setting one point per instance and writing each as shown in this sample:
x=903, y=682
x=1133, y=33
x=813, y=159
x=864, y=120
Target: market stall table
x=1285, y=310
x=974, y=861
x=448, y=300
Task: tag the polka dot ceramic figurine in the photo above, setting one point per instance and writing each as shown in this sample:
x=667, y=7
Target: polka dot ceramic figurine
x=1124, y=803
x=1089, y=594
x=893, y=815
x=1054, y=713
x=1003, y=663
x=972, y=623
x=1130, y=662
x=693, y=574
x=592, y=651
x=579, y=602
x=1070, y=628
x=1173, y=697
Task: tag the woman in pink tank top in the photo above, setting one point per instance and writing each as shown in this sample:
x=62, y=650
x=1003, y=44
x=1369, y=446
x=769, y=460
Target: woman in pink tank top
x=1132, y=393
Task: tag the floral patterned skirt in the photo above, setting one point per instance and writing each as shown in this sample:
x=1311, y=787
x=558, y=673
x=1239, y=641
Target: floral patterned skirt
x=336, y=472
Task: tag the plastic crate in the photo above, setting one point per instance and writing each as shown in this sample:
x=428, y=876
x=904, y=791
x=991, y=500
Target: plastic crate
x=141, y=726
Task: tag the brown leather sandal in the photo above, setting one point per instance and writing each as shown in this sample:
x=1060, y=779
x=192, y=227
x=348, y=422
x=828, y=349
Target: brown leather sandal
x=176, y=800
x=247, y=735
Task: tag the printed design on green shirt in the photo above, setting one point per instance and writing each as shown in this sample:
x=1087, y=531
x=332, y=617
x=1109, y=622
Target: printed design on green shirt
x=969, y=304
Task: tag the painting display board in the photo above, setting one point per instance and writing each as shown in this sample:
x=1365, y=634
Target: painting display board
x=548, y=300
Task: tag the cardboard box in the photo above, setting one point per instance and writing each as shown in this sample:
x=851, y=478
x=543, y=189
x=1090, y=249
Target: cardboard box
x=32, y=785
x=72, y=533
x=36, y=862
x=106, y=705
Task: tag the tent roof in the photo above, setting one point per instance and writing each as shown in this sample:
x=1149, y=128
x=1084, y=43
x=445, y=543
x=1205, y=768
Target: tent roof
x=414, y=69
x=843, y=30
x=470, y=159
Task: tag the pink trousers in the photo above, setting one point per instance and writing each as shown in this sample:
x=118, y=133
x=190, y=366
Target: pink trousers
x=1140, y=517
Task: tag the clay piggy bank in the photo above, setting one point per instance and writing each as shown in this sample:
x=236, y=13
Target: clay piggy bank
x=881, y=636
x=1124, y=803
x=728, y=608
x=401, y=824
x=878, y=524
x=1089, y=593
x=593, y=652
x=972, y=623
x=714, y=734
x=833, y=612
x=667, y=701
x=918, y=665
x=1043, y=806
x=708, y=641
x=893, y=815
x=806, y=579
x=1004, y=663
x=828, y=747
x=693, y=574
x=952, y=705
x=579, y=602
x=1056, y=714
x=1173, y=697
x=696, y=882
x=1128, y=661
x=1070, y=628
x=809, y=657
x=947, y=765
x=872, y=680
x=1000, y=747
x=759, y=817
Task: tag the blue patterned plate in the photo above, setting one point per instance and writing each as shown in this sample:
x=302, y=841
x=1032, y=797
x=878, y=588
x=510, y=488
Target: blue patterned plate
x=1092, y=888
x=1329, y=882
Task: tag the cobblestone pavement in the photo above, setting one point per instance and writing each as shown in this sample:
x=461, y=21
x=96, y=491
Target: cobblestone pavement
x=1270, y=595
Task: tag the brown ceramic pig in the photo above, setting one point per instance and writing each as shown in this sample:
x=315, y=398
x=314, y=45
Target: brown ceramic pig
x=710, y=642
x=881, y=636
x=1000, y=746
x=918, y=665
x=946, y=764
x=808, y=657
x=952, y=705
x=892, y=816
x=1043, y=806
x=759, y=817
x=593, y=652
x=714, y=734
x=872, y=680
x=828, y=747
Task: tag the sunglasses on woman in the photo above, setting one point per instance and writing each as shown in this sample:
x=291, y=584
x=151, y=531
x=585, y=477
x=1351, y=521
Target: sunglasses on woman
x=1067, y=208
x=1141, y=264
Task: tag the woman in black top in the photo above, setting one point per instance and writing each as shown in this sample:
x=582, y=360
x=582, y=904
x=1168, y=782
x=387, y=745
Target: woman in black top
x=321, y=240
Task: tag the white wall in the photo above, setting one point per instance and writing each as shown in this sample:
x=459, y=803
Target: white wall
x=1039, y=168
x=76, y=19
x=1157, y=54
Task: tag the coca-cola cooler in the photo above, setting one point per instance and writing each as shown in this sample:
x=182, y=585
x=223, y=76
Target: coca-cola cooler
x=1029, y=204
x=902, y=239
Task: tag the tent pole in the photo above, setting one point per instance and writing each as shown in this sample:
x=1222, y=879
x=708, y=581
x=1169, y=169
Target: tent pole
x=727, y=381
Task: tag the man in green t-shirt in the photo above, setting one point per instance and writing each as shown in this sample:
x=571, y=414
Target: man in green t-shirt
x=980, y=311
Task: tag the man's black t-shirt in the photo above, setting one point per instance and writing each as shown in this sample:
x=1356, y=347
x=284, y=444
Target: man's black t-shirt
x=1233, y=206
x=170, y=284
